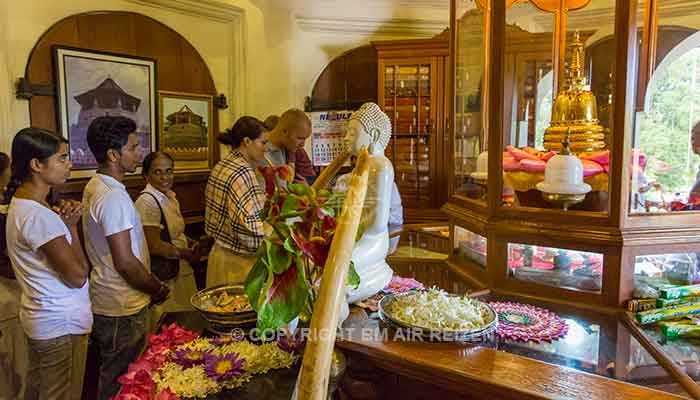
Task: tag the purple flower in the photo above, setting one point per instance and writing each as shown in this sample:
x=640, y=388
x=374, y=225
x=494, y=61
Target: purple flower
x=290, y=344
x=221, y=368
x=189, y=358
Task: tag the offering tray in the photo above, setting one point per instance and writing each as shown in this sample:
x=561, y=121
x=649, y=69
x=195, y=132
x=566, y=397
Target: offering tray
x=204, y=302
x=482, y=333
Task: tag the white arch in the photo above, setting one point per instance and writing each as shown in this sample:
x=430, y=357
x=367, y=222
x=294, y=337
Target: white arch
x=689, y=43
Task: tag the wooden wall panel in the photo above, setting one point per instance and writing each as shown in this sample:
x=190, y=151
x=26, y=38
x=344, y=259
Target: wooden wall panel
x=347, y=81
x=179, y=67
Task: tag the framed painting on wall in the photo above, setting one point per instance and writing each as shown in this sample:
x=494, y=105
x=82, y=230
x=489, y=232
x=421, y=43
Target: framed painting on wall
x=186, y=129
x=91, y=84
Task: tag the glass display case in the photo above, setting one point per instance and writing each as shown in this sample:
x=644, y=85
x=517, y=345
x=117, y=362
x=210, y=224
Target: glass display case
x=539, y=85
x=571, y=269
x=587, y=112
x=469, y=135
x=470, y=246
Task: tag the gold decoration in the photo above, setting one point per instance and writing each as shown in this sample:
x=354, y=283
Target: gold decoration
x=562, y=200
x=575, y=111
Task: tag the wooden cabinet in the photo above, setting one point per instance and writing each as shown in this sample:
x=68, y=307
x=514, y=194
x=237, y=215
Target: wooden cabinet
x=411, y=90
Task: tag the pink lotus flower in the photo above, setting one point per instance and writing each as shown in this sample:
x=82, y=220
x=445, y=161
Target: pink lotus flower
x=137, y=386
x=400, y=285
x=128, y=396
x=166, y=394
x=142, y=364
x=178, y=335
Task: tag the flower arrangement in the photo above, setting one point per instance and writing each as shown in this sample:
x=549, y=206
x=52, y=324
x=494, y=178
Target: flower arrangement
x=282, y=284
x=179, y=364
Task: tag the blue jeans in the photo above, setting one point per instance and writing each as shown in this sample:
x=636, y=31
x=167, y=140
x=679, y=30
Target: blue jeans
x=120, y=341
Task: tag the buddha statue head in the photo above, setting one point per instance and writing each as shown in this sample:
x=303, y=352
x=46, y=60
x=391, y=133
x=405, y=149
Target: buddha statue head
x=370, y=127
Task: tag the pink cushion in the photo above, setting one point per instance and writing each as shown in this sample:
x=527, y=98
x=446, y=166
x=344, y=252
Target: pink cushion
x=591, y=167
x=520, y=154
x=511, y=164
x=533, y=165
x=601, y=157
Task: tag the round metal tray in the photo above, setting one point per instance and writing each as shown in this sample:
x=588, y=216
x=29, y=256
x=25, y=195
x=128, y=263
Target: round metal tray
x=222, y=319
x=476, y=335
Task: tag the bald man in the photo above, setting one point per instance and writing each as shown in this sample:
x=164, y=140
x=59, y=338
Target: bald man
x=286, y=142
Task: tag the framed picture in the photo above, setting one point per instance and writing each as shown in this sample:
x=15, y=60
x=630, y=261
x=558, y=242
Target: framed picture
x=185, y=129
x=91, y=84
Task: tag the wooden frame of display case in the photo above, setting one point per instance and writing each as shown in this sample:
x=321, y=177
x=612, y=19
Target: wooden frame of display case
x=616, y=234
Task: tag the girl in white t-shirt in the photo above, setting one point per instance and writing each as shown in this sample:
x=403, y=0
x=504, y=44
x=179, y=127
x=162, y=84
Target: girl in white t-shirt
x=50, y=266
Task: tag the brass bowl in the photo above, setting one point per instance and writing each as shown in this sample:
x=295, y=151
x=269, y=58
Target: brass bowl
x=483, y=333
x=203, y=301
x=564, y=200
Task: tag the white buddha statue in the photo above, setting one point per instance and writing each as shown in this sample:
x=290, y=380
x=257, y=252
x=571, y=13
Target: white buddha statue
x=370, y=127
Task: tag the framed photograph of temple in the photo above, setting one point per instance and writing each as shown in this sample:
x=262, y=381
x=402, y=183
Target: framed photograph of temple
x=185, y=129
x=92, y=84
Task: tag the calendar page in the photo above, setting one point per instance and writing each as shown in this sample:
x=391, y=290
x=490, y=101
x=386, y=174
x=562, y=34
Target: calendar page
x=328, y=134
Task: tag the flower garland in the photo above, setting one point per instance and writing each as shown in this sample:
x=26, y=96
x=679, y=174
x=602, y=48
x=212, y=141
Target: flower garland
x=179, y=364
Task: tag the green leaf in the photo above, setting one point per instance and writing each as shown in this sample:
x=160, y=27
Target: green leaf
x=290, y=205
x=282, y=229
x=291, y=247
x=254, y=283
x=329, y=210
x=353, y=276
x=284, y=298
x=278, y=258
x=299, y=189
x=360, y=230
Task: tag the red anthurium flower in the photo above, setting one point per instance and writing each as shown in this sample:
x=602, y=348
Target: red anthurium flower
x=328, y=223
x=286, y=173
x=317, y=251
x=269, y=174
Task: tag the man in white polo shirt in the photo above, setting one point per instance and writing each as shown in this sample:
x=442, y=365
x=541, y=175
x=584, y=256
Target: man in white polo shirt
x=121, y=284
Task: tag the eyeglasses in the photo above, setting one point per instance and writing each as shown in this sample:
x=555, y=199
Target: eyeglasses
x=167, y=172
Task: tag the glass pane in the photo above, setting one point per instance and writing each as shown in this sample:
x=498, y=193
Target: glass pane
x=644, y=370
x=654, y=271
x=570, y=269
x=470, y=246
x=543, y=105
x=597, y=344
x=469, y=138
x=666, y=142
x=528, y=84
x=685, y=352
x=407, y=101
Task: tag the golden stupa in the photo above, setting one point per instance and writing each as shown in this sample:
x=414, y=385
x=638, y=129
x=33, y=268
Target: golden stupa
x=575, y=110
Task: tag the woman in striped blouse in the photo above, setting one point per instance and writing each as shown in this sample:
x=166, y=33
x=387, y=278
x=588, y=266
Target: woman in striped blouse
x=234, y=202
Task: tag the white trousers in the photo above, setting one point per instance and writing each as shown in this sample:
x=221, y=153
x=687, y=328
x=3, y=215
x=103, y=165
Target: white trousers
x=226, y=266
